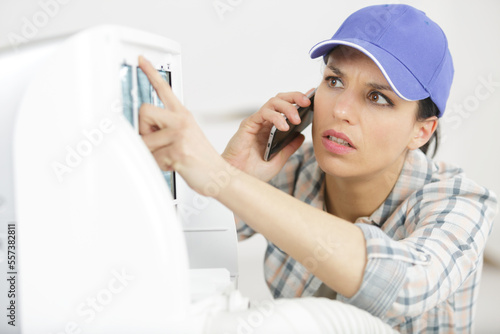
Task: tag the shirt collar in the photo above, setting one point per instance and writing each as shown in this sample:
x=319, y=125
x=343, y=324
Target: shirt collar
x=416, y=172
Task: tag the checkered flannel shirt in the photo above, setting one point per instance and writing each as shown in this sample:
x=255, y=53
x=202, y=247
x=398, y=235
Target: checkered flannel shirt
x=424, y=244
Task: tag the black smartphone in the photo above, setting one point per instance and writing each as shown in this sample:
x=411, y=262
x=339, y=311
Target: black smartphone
x=279, y=139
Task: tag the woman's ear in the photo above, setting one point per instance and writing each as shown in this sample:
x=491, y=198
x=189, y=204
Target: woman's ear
x=423, y=132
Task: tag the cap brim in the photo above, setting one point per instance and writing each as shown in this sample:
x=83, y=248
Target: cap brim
x=402, y=81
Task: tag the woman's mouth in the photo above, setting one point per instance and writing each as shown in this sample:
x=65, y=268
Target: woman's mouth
x=337, y=142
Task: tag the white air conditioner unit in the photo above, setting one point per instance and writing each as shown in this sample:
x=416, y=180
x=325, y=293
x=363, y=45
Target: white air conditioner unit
x=90, y=235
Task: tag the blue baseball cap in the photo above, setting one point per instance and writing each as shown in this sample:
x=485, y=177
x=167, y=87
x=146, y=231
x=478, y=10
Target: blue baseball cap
x=410, y=50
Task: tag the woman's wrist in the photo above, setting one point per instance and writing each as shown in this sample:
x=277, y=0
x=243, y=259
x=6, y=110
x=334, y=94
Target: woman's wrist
x=219, y=178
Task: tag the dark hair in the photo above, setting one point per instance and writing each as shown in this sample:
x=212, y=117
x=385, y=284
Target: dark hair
x=426, y=109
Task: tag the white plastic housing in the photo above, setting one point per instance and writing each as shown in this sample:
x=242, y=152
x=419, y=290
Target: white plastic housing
x=100, y=246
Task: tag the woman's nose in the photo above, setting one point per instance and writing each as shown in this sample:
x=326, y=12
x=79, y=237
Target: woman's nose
x=346, y=106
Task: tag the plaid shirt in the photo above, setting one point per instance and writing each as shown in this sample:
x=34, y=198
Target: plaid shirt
x=425, y=245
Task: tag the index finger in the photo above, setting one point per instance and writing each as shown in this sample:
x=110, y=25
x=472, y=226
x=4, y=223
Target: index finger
x=298, y=98
x=161, y=87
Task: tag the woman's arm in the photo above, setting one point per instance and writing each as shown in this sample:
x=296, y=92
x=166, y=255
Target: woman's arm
x=307, y=234
x=303, y=232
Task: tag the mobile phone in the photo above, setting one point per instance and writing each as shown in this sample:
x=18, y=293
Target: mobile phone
x=279, y=139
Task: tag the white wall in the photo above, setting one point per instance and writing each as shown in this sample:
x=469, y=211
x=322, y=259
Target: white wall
x=235, y=60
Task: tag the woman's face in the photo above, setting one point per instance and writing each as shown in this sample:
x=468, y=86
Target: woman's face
x=361, y=128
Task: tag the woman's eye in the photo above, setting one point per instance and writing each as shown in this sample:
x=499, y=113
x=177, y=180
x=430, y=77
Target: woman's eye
x=378, y=98
x=334, y=82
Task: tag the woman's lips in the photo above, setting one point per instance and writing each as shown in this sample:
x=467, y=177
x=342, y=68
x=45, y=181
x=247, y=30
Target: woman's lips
x=337, y=142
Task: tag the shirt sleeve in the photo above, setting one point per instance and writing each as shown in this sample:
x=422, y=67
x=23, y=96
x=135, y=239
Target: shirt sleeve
x=441, y=243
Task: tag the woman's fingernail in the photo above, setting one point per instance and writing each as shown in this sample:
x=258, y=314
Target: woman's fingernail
x=285, y=124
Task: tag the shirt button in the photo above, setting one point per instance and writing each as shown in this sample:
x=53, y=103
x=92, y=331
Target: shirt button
x=423, y=258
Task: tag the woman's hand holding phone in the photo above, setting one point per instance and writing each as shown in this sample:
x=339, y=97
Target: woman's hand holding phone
x=279, y=139
x=246, y=148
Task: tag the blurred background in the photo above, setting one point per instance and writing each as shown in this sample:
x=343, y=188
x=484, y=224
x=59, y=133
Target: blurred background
x=239, y=53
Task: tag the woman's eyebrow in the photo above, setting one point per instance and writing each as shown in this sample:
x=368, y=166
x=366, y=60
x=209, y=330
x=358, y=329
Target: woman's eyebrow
x=373, y=85
x=335, y=70
x=377, y=86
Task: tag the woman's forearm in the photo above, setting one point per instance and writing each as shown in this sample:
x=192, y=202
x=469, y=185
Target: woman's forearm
x=333, y=249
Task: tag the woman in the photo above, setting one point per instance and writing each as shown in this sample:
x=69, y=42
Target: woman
x=362, y=215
